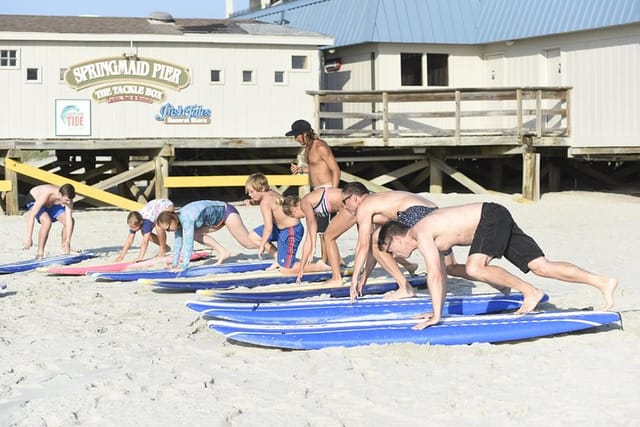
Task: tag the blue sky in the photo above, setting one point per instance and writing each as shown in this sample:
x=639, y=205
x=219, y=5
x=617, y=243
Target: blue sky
x=136, y=8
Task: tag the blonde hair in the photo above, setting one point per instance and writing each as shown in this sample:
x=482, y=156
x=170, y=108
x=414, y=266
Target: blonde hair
x=257, y=182
x=166, y=217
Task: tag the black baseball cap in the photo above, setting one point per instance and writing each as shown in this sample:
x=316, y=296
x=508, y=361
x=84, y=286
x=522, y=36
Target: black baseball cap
x=298, y=128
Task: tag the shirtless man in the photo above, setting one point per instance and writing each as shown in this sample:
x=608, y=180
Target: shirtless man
x=47, y=204
x=321, y=166
x=491, y=232
x=372, y=210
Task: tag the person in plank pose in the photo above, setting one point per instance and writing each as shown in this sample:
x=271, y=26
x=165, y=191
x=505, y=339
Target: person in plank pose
x=321, y=203
x=373, y=210
x=316, y=160
x=144, y=221
x=47, y=204
x=491, y=232
x=277, y=227
x=195, y=221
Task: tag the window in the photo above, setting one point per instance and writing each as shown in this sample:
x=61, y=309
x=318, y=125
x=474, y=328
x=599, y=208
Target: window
x=62, y=72
x=33, y=75
x=216, y=76
x=280, y=77
x=411, y=69
x=437, y=69
x=248, y=76
x=299, y=62
x=8, y=58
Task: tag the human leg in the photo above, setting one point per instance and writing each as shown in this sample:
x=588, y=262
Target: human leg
x=568, y=272
x=200, y=235
x=239, y=232
x=478, y=268
x=43, y=233
x=337, y=227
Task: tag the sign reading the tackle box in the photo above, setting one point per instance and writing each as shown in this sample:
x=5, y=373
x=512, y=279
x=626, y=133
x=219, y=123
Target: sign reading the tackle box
x=128, y=79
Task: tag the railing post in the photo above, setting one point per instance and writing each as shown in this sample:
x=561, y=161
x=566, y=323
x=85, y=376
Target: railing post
x=458, y=109
x=567, y=100
x=385, y=118
x=316, y=116
x=519, y=112
x=539, y=113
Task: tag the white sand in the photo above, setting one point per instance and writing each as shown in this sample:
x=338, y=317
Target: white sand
x=78, y=352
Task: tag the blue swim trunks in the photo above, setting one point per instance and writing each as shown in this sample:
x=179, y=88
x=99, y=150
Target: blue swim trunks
x=53, y=211
x=288, y=241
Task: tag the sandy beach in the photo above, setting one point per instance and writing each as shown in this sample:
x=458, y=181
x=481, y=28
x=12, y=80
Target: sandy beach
x=75, y=351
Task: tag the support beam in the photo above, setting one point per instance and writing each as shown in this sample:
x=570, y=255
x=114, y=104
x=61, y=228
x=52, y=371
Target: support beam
x=11, y=206
x=125, y=176
x=454, y=174
x=436, y=184
x=400, y=172
x=531, y=176
x=81, y=189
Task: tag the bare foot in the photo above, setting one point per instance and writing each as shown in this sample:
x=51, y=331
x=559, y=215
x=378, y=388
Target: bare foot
x=222, y=255
x=401, y=293
x=273, y=266
x=323, y=265
x=333, y=282
x=39, y=256
x=608, y=289
x=530, y=302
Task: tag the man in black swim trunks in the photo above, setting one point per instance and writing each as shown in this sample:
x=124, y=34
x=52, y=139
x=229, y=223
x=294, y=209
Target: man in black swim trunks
x=491, y=232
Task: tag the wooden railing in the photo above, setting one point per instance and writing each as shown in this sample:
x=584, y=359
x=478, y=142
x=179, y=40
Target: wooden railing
x=517, y=111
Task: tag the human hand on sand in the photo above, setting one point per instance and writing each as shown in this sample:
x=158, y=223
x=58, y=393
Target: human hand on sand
x=28, y=243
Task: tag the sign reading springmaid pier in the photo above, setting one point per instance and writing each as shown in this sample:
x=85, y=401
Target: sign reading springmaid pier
x=128, y=78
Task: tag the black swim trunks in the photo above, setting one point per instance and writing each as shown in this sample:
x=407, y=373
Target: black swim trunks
x=497, y=234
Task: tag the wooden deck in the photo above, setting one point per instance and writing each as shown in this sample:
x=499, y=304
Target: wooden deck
x=411, y=140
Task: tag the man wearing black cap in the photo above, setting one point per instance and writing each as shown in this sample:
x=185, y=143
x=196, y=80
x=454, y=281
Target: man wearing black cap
x=321, y=166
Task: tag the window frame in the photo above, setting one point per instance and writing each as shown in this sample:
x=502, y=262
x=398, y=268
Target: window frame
x=222, y=76
x=17, y=58
x=417, y=59
x=253, y=80
x=38, y=79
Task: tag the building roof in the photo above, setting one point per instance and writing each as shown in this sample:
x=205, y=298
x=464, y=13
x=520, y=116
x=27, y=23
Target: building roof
x=446, y=21
x=160, y=24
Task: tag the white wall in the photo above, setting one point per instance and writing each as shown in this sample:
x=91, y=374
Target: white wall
x=263, y=109
x=602, y=66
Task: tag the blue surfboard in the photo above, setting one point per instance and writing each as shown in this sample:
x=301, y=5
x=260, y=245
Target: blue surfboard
x=343, y=310
x=202, y=270
x=372, y=288
x=238, y=280
x=453, y=330
x=32, y=264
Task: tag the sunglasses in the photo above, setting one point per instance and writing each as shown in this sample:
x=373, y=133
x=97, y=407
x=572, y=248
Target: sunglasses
x=387, y=250
x=346, y=198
